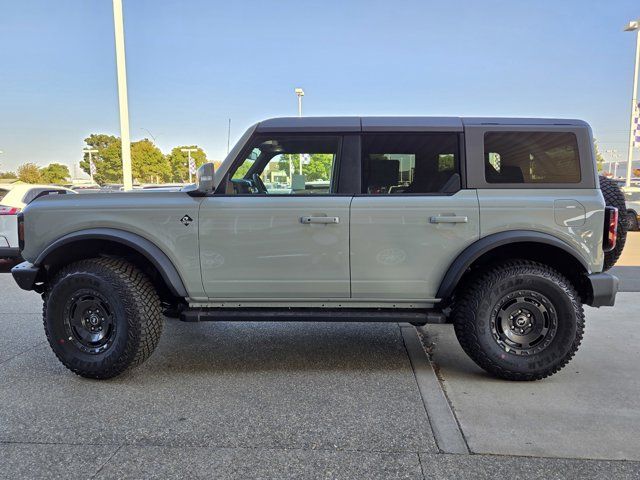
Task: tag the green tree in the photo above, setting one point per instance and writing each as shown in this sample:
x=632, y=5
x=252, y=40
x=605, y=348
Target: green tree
x=599, y=157
x=148, y=164
x=29, y=173
x=55, y=173
x=8, y=175
x=319, y=168
x=108, y=159
x=179, y=159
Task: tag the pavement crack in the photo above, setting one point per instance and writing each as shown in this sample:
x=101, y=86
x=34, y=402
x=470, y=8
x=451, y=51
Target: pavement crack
x=23, y=352
x=107, y=460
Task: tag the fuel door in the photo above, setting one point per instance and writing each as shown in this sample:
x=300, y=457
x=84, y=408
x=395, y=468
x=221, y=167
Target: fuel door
x=569, y=213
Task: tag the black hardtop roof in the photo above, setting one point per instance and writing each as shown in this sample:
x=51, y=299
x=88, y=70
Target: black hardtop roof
x=387, y=124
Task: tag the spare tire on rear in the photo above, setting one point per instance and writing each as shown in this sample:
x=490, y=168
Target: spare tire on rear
x=614, y=197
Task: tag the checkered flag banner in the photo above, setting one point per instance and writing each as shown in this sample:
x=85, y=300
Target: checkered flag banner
x=92, y=167
x=636, y=125
x=192, y=166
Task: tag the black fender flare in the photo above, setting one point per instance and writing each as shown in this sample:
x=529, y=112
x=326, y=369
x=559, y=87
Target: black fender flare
x=140, y=244
x=488, y=243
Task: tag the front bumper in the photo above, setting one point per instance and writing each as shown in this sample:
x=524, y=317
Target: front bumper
x=9, y=252
x=604, y=287
x=25, y=275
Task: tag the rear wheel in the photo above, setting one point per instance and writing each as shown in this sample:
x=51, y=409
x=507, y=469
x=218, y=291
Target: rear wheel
x=519, y=321
x=102, y=316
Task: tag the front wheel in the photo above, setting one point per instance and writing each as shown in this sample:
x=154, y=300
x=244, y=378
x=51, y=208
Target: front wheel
x=519, y=321
x=102, y=316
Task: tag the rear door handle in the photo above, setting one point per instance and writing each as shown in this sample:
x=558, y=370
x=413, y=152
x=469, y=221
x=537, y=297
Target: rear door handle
x=448, y=219
x=324, y=220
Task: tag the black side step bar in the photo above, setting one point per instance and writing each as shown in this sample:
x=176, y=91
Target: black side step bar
x=310, y=315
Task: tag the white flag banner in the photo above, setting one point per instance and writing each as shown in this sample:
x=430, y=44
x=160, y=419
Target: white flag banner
x=636, y=125
x=305, y=158
x=192, y=166
x=92, y=167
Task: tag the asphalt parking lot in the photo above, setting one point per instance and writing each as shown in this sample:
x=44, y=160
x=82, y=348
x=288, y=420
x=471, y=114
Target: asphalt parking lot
x=293, y=400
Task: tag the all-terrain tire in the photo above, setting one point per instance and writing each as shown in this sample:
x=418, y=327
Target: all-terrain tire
x=492, y=298
x=102, y=316
x=614, y=197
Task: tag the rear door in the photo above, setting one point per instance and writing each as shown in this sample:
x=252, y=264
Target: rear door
x=412, y=217
x=280, y=230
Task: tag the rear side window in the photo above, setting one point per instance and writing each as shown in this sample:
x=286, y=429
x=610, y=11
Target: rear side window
x=3, y=193
x=424, y=163
x=531, y=157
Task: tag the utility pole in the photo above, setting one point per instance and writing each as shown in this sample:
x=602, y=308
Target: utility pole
x=300, y=94
x=191, y=163
x=118, y=24
x=228, y=136
x=92, y=167
x=633, y=27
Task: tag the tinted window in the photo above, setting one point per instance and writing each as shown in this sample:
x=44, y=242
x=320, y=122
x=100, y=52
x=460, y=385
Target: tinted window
x=284, y=165
x=531, y=157
x=410, y=163
x=3, y=192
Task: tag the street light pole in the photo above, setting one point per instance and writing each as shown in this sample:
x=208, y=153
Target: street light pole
x=118, y=24
x=300, y=94
x=633, y=27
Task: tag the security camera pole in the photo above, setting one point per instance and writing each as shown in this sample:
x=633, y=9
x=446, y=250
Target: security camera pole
x=633, y=26
x=118, y=24
x=191, y=164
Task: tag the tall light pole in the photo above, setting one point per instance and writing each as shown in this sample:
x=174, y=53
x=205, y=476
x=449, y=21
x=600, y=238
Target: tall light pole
x=300, y=94
x=228, y=136
x=633, y=26
x=118, y=25
x=188, y=152
x=92, y=167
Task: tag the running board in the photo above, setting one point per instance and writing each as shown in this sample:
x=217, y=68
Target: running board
x=310, y=315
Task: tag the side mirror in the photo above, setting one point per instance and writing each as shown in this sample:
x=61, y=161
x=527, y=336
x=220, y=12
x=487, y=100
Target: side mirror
x=204, y=179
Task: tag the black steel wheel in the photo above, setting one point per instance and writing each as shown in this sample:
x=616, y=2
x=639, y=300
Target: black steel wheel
x=101, y=316
x=524, y=322
x=89, y=321
x=519, y=320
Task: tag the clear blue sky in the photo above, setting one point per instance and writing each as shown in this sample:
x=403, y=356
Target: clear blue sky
x=193, y=64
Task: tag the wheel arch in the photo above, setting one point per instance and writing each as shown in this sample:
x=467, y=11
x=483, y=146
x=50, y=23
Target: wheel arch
x=523, y=244
x=97, y=241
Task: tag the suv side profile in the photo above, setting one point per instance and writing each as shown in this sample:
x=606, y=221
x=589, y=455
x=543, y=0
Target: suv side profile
x=498, y=226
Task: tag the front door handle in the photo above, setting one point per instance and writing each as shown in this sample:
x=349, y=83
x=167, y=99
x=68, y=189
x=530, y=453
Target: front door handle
x=448, y=219
x=323, y=220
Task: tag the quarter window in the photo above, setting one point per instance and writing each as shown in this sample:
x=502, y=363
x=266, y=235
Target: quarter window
x=531, y=157
x=424, y=163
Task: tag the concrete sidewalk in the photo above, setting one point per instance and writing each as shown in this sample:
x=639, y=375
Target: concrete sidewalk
x=276, y=400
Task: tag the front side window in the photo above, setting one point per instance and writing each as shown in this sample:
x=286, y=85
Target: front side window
x=287, y=165
x=531, y=157
x=425, y=163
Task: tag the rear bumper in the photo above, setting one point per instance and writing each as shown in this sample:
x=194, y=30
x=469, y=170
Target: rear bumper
x=604, y=287
x=9, y=252
x=25, y=275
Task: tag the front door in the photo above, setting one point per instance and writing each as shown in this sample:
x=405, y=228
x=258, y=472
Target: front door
x=412, y=218
x=278, y=231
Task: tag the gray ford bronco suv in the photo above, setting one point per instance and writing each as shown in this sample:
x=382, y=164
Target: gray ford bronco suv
x=498, y=226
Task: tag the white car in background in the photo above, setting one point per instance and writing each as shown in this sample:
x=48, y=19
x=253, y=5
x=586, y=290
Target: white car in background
x=13, y=198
